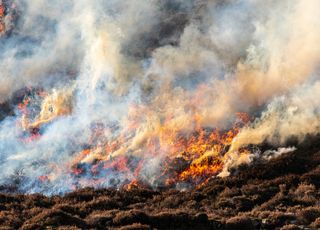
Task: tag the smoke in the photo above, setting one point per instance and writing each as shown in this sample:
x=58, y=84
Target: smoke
x=147, y=70
x=293, y=115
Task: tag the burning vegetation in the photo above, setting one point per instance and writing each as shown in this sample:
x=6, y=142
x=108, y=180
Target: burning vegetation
x=8, y=16
x=256, y=197
x=149, y=114
x=193, y=157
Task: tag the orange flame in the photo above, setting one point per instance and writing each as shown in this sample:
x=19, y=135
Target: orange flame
x=202, y=151
x=186, y=156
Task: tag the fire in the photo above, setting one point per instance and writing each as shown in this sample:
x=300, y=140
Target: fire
x=40, y=108
x=189, y=157
x=2, y=15
x=205, y=149
x=8, y=16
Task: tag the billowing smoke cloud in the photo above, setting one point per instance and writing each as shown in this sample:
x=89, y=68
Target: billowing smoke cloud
x=141, y=72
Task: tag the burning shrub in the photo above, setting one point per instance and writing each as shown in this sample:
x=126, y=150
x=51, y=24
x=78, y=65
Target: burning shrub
x=211, y=206
x=159, y=114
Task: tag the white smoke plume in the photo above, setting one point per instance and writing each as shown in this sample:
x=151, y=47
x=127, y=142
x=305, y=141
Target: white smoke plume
x=129, y=66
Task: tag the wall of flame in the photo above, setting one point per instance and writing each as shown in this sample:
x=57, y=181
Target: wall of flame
x=151, y=93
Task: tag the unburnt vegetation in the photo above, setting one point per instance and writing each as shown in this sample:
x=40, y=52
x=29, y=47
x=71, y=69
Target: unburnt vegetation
x=282, y=193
